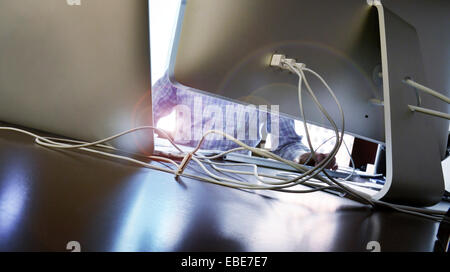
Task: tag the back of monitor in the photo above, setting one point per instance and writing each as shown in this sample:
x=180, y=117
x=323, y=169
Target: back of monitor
x=81, y=71
x=363, y=52
x=228, y=53
x=415, y=143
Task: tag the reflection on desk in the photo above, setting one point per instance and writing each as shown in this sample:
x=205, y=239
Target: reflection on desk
x=50, y=197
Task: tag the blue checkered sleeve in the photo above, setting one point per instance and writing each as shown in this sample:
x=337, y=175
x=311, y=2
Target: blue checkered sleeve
x=290, y=144
x=166, y=97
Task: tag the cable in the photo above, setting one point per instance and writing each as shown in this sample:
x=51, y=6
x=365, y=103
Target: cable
x=53, y=143
x=430, y=112
x=246, y=186
x=298, y=69
x=427, y=90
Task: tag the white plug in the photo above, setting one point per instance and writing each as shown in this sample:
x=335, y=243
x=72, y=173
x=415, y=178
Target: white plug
x=277, y=60
x=280, y=61
x=374, y=2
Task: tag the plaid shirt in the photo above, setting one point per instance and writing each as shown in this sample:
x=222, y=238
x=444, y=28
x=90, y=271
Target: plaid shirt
x=190, y=126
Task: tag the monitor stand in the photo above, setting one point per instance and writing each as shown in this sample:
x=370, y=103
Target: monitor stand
x=413, y=140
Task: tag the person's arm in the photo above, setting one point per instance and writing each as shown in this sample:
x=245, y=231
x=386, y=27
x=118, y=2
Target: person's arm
x=290, y=146
x=164, y=98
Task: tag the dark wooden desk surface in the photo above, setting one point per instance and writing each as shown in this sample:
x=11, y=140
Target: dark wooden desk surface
x=49, y=197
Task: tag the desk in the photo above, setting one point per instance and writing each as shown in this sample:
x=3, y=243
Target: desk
x=50, y=197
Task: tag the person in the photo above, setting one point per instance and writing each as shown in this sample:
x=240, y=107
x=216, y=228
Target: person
x=192, y=123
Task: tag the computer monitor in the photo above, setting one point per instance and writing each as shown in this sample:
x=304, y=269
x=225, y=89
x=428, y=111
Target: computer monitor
x=361, y=48
x=79, y=69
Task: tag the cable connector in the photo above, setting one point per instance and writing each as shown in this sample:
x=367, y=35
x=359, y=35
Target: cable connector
x=280, y=61
x=300, y=65
x=277, y=60
x=183, y=164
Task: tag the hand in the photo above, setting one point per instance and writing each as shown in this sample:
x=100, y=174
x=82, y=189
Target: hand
x=318, y=157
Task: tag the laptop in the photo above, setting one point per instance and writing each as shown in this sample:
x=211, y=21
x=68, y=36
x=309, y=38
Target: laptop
x=77, y=68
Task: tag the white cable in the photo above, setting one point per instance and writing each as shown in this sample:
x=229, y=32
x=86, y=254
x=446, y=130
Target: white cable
x=220, y=155
x=258, y=176
x=302, y=112
x=255, y=173
x=52, y=143
x=427, y=90
x=184, y=174
x=299, y=68
x=430, y=112
x=264, y=153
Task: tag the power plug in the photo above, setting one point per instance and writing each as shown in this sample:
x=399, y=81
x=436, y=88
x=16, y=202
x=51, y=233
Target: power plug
x=280, y=61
